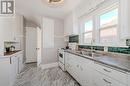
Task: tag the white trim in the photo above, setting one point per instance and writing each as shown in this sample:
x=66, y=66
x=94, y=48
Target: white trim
x=51, y=65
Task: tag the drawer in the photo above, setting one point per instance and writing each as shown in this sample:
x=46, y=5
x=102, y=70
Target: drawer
x=103, y=80
x=117, y=75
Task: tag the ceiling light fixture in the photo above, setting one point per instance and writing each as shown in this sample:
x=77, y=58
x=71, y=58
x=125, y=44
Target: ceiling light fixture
x=55, y=1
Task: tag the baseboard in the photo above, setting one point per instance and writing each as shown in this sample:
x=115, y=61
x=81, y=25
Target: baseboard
x=30, y=61
x=51, y=65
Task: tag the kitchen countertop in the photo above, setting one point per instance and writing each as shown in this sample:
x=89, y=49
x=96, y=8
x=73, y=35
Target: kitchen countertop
x=119, y=62
x=11, y=52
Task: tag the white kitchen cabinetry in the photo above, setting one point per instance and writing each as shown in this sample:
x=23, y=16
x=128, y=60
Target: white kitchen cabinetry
x=79, y=68
x=88, y=73
x=124, y=19
x=48, y=33
x=10, y=66
x=12, y=28
x=4, y=71
x=109, y=76
x=103, y=80
x=18, y=33
x=84, y=70
x=71, y=25
x=14, y=69
x=69, y=63
x=20, y=63
x=8, y=26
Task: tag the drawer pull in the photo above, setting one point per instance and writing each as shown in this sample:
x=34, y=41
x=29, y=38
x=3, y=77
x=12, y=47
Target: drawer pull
x=106, y=70
x=78, y=66
x=107, y=81
x=10, y=61
x=81, y=68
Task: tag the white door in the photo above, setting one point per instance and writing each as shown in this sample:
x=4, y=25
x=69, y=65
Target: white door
x=31, y=44
x=38, y=46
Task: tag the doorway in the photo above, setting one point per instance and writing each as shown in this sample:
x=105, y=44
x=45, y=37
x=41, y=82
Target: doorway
x=33, y=45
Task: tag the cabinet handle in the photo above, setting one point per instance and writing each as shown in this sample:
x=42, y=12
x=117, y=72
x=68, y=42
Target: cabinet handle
x=78, y=66
x=81, y=68
x=107, y=81
x=10, y=61
x=106, y=70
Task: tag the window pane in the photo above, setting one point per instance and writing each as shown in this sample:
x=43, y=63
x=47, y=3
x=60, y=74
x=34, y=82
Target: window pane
x=108, y=35
x=89, y=26
x=87, y=37
x=110, y=18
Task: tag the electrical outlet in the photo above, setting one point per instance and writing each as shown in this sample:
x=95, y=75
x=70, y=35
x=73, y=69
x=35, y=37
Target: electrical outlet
x=128, y=42
x=105, y=49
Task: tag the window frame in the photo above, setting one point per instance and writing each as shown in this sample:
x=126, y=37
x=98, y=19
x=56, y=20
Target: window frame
x=95, y=17
x=101, y=12
x=90, y=18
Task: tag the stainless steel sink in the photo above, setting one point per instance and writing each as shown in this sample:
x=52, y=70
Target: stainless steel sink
x=89, y=53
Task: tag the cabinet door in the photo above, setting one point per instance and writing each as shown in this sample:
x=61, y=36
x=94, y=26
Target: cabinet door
x=8, y=25
x=115, y=83
x=71, y=25
x=124, y=19
x=85, y=71
x=69, y=63
x=4, y=71
x=101, y=80
x=48, y=33
x=20, y=65
x=68, y=25
x=14, y=69
x=18, y=33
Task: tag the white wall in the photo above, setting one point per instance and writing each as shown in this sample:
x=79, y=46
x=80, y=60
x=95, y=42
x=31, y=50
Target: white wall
x=49, y=55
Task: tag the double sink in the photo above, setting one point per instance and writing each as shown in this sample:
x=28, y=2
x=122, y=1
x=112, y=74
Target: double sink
x=90, y=54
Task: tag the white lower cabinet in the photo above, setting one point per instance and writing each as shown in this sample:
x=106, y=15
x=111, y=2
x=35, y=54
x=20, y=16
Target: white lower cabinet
x=4, y=72
x=13, y=69
x=79, y=69
x=20, y=62
x=9, y=68
x=88, y=73
x=103, y=80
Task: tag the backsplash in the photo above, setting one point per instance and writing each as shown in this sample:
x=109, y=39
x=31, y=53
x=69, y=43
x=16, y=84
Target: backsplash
x=122, y=50
x=119, y=50
x=9, y=44
x=100, y=48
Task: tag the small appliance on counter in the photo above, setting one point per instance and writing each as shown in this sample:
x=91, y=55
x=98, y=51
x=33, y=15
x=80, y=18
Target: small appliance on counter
x=7, y=49
x=73, y=46
x=12, y=48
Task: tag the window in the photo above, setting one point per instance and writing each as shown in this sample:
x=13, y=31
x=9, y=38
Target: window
x=87, y=33
x=108, y=26
x=101, y=26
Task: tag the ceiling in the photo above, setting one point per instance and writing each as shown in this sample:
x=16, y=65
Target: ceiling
x=30, y=8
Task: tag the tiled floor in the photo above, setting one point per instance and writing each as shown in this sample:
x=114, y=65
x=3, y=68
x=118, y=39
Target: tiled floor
x=33, y=76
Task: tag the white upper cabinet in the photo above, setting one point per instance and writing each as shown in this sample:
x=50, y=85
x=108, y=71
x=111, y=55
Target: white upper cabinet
x=48, y=32
x=8, y=26
x=18, y=33
x=12, y=28
x=71, y=25
x=124, y=19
